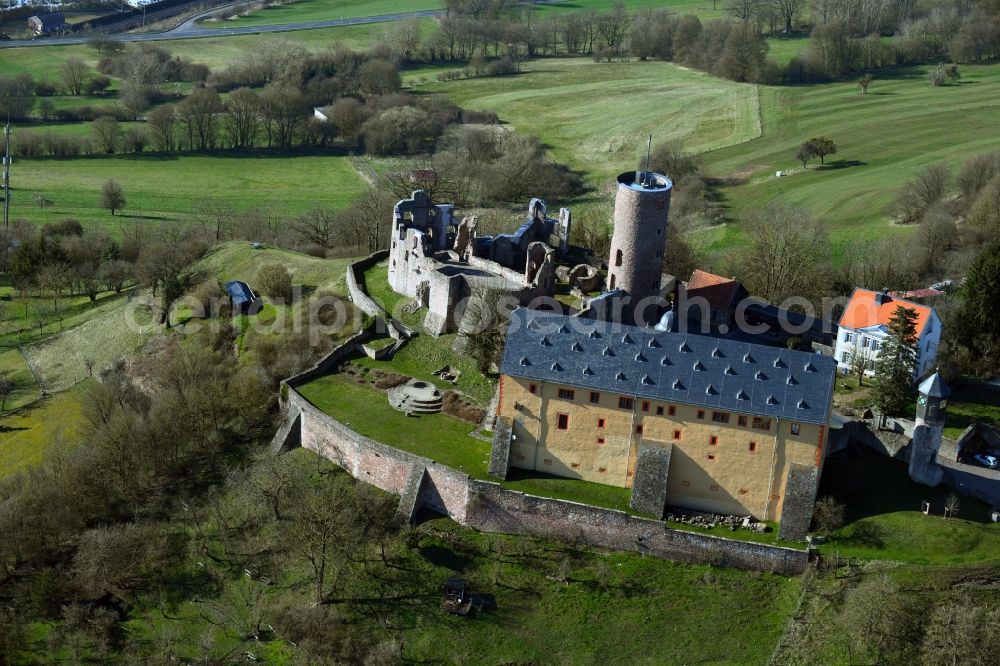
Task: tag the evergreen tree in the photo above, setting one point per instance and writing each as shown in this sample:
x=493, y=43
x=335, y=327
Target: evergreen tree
x=897, y=362
x=981, y=295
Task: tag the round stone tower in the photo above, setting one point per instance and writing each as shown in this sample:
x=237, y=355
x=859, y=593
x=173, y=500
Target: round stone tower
x=642, y=205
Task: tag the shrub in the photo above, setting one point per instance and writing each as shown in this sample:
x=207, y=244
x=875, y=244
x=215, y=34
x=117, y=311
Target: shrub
x=399, y=130
x=207, y=294
x=275, y=281
x=98, y=84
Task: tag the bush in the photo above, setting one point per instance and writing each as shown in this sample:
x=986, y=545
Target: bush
x=98, y=84
x=207, y=294
x=275, y=281
x=828, y=515
x=28, y=144
x=396, y=131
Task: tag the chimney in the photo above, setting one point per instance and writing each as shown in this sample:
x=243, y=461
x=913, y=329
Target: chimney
x=883, y=297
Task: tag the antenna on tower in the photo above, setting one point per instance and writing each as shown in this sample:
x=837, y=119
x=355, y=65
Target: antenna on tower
x=6, y=173
x=649, y=148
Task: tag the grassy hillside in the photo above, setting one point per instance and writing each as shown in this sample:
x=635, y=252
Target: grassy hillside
x=596, y=116
x=883, y=138
x=168, y=187
x=26, y=434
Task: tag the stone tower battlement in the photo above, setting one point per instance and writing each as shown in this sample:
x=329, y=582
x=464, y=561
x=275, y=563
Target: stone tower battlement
x=642, y=207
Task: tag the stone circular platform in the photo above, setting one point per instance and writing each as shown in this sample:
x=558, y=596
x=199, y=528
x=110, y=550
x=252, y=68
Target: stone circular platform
x=416, y=397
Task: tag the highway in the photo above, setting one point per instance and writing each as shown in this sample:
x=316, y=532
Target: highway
x=189, y=29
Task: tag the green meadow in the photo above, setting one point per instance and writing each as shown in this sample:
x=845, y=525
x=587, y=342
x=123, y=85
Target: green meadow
x=884, y=138
x=25, y=435
x=596, y=117
x=169, y=187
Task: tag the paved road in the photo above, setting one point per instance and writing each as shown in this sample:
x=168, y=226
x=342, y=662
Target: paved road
x=190, y=30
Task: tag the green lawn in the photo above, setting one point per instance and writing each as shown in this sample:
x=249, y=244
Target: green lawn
x=170, y=187
x=26, y=434
x=596, y=116
x=884, y=519
x=970, y=403
x=366, y=410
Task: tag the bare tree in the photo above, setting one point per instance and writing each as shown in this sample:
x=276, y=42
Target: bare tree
x=283, y=110
x=74, y=74
x=786, y=254
x=199, y=116
x=954, y=634
x=318, y=227
x=952, y=505
x=112, y=196
x=861, y=360
x=919, y=194
x=7, y=386
x=745, y=10
x=161, y=122
x=788, y=10
x=242, y=119
x=612, y=26
x=107, y=132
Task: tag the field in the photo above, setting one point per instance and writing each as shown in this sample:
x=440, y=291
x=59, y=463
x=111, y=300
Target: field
x=15, y=368
x=44, y=62
x=596, y=116
x=290, y=184
x=318, y=10
x=61, y=360
x=26, y=434
x=883, y=139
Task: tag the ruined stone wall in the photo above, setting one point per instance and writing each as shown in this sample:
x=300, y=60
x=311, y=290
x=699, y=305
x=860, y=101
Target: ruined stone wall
x=497, y=269
x=489, y=507
x=354, y=281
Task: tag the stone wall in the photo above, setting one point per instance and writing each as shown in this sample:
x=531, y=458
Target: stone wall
x=652, y=469
x=800, y=496
x=489, y=507
x=354, y=281
x=495, y=509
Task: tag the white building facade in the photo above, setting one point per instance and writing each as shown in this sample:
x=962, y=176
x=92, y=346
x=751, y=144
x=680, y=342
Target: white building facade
x=864, y=328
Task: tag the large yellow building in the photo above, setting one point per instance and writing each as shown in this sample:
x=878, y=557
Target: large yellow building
x=729, y=427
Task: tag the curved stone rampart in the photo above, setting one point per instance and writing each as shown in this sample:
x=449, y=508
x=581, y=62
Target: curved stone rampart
x=490, y=507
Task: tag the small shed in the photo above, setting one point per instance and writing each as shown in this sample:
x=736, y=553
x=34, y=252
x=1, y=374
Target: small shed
x=243, y=298
x=44, y=24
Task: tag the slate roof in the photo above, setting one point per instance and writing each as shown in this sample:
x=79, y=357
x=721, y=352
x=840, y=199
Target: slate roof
x=240, y=292
x=935, y=387
x=669, y=367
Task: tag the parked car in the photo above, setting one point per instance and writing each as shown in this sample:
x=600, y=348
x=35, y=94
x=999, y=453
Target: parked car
x=986, y=460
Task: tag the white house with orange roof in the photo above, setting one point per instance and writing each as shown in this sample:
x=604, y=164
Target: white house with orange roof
x=864, y=326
